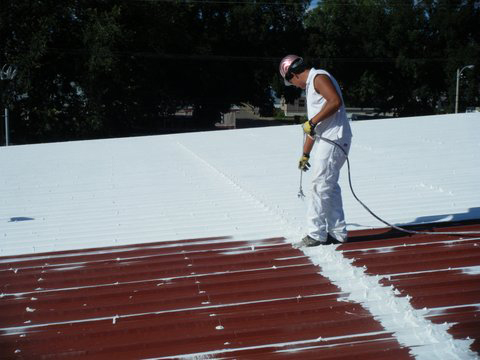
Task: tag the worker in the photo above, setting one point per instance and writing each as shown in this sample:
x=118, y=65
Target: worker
x=329, y=135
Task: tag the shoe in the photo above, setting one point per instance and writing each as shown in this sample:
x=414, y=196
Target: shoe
x=331, y=240
x=308, y=241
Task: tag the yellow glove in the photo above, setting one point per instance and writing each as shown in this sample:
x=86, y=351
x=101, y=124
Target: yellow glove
x=303, y=164
x=309, y=127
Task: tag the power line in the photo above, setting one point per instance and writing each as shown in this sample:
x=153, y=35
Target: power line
x=242, y=58
x=233, y=2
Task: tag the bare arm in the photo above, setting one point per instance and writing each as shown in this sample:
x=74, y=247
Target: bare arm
x=324, y=86
x=308, y=144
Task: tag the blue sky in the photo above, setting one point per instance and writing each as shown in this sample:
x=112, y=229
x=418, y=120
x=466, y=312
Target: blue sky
x=313, y=4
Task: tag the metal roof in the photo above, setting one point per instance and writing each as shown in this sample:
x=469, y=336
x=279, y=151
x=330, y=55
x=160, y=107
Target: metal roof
x=179, y=246
x=243, y=183
x=226, y=298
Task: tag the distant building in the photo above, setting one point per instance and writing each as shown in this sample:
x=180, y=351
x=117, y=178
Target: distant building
x=297, y=108
x=185, y=111
x=229, y=120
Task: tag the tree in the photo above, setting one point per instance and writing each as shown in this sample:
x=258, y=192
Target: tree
x=454, y=37
x=53, y=98
x=396, y=56
x=345, y=38
x=114, y=68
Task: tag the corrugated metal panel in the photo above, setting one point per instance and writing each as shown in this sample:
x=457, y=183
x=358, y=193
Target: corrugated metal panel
x=219, y=296
x=440, y=273
x=226, y=298
x=212, y=297
x=83, y=194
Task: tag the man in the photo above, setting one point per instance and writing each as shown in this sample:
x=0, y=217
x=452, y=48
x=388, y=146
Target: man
x=329, y=130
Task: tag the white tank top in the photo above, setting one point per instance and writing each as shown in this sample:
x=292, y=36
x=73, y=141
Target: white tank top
x=334, y=127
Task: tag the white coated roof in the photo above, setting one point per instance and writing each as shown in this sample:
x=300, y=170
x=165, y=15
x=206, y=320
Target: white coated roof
x=240, y=183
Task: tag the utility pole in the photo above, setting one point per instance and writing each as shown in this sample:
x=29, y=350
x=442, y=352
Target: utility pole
x=8, y=72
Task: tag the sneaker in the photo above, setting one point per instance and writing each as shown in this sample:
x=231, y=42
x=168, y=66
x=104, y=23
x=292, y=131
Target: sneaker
x=308, y=241
x=331, y=240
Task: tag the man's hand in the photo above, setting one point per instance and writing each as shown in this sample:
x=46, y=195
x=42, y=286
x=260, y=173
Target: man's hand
x=303, y=164
x=309, y=127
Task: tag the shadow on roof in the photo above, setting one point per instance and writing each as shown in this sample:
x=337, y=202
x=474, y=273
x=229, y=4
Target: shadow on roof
x=390, y=233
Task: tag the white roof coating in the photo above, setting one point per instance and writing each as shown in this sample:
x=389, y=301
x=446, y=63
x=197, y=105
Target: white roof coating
x=240, y=183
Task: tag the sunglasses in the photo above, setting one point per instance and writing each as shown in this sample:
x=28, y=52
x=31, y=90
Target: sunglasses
x=296, y=64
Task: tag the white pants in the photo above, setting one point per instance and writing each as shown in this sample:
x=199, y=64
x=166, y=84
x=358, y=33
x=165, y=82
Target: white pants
x=325, y=211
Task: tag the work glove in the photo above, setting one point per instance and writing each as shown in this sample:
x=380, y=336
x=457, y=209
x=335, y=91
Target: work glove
x=309, y=127
x=303, y=164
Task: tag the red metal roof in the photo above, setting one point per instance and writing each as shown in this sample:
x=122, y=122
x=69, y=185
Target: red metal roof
x=226, y=298
x=433, y=270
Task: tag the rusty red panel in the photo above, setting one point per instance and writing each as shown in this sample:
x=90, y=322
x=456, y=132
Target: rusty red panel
x=243, y=299
x=439, y=272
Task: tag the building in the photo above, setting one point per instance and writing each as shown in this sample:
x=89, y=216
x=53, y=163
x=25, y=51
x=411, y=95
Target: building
x=297, y=108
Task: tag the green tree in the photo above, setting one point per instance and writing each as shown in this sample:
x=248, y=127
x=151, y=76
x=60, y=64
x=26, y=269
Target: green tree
x=54, y=98
x=396, y=56
x=114, y=68
x=454, y=36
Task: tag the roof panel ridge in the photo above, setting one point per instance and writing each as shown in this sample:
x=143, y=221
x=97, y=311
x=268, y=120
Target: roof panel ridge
x=285, y=227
